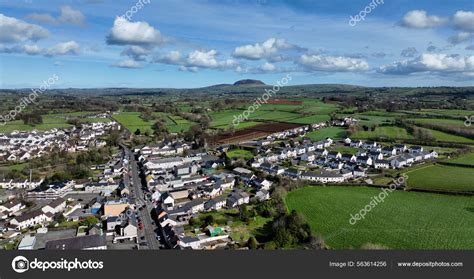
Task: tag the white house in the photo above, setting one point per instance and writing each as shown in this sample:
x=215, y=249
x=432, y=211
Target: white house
x=56, y=206
x=30, y=219
x=322, y=176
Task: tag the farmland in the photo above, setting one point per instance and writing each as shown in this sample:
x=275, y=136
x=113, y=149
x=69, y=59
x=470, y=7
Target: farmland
x=392, y=132
x=434, y=177
x=406, y=220
x=332, y=132
x=132, y=121
x=467, y=159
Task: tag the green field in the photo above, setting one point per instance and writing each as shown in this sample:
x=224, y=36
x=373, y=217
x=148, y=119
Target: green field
x=331, y=132
x=392, y=132
x=440, y=121
x=311, y=111
x=132, y=121
x=405, y=220
x=310, y=119
x=441, y=136
x=467, y=159
x=441, y=177
x=240, y=153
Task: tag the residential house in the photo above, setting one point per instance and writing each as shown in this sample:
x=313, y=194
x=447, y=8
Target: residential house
x=55, y=206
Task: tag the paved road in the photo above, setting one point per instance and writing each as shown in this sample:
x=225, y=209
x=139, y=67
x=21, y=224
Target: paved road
x=138, y=195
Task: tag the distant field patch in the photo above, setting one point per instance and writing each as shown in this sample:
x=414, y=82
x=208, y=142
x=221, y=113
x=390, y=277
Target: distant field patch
x=441, y=177
x=311, y=119
x=132, y=121
x=331, y=132
x=442, y=136
x=467, y=159
x=405, y=220
x=392, y=132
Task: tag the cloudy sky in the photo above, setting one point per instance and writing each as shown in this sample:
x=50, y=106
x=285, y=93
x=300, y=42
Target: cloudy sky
x=194, y=43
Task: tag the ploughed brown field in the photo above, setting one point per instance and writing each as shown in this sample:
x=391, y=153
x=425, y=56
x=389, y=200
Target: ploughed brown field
x=255, y=132
x=285, y=102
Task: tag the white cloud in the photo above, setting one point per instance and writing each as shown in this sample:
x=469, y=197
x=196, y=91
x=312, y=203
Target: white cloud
x=125, y=32
x=207, y=59
x=420, y=19
x=427, y=62
x=65, y=48
x=13, y=30
x=188, y=69
x=267, y=67
x=266, y=49
x=69, y=15
x=173, y=58
x=32, y=49
x=129, y=64
x=136, y=52
x=332, y=63
x=43, y=18
x=464, y=20
x=460, y=38
x=28, y=49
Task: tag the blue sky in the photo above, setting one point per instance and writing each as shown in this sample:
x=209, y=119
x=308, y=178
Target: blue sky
x=190, y=43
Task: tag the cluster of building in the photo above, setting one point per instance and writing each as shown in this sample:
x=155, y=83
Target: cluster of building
x=315, y=161
x=23, y=146
x=182, y=186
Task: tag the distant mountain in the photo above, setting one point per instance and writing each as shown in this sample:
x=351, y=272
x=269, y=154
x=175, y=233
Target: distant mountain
x=249, y=82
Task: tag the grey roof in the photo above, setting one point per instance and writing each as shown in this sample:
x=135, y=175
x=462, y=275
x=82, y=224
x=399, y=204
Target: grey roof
x=77, y=243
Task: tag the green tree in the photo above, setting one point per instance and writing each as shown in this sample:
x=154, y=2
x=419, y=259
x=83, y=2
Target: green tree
x=252, y=243
x=244, y=213
x=89, y=221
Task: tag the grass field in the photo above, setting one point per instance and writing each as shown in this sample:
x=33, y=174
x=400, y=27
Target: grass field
x=440, y=177
x=132, y=121
x=406, y=220
x=310, y=119
x=392, y=132
x=240, y=153
x=440, y=121
x=441, y=136
x=332, y=132
x=467, y=159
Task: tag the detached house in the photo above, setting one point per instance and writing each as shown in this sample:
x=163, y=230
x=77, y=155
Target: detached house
x=56, y=206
